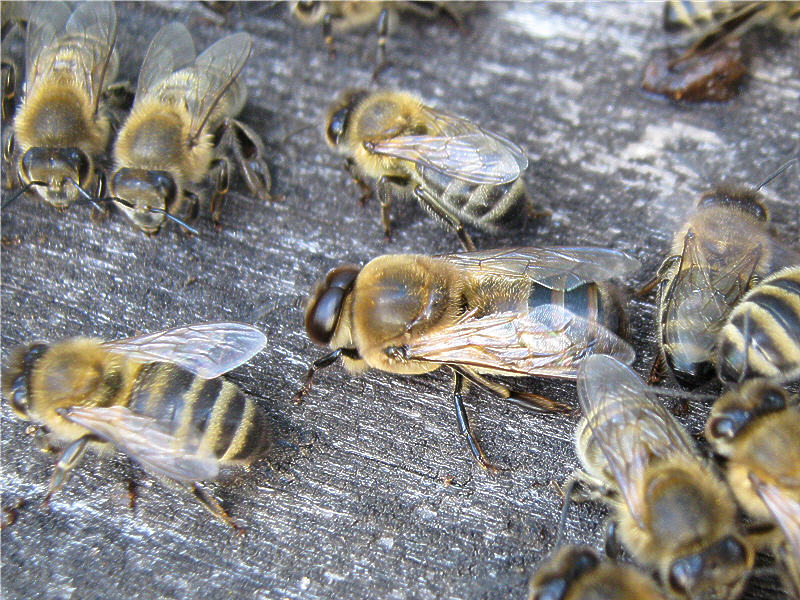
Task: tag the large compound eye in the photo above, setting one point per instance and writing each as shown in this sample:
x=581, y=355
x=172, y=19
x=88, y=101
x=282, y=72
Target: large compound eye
x=18, y=390
x=307, y=8
x=78, y=160
x=166, y=188
x=323, y=314
x=730, y=423
x=684, y=573
x=772, y=401
x=336, y=125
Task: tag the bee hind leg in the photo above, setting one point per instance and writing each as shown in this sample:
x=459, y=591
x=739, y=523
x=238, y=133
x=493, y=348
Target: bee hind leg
x=526, y=400
x=248, y=152
x=385, y=184
x=432, y=204
x=69, y=459
x=213, y=506
x=221, y=169
x=464, y=427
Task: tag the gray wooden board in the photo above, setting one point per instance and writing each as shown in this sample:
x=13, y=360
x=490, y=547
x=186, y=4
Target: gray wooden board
x=370, y=491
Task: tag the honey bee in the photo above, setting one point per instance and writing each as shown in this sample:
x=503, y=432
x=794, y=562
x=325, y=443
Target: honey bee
x=717, y=255
x=158, y=398
x=756, y=427
x=516, y=312
x=578, y=573
x=180, y=128
x=761, y=337
x=62, y=126
x=457, y=171
x=669, y=509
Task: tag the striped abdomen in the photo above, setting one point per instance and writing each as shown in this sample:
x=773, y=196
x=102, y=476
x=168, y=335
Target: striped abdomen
x=227, y=422
x=596, y=302
x=487, y=207
x=762, y=335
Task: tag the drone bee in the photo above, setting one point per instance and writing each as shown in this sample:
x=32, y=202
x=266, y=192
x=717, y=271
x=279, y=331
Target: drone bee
x=457, y=171
x=515, y=312
x=717, y=255
x=578, y=573
x=756, y=427
x=180, y=125
x=761, y=337
x=669, y=509
x=62, y=126
x=158, y=398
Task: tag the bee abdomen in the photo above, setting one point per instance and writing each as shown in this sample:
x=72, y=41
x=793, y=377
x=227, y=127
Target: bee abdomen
x=762, y=335
x=598, y=303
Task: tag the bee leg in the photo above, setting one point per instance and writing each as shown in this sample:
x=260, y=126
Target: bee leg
x=68, y=460
x=528, y=401
x=213, y=506
x=11, y=514
x=9, y=148
x=659, y=368
x=385, y=197
x=383, y=33
x=321, y=363
x=613, y=547
x=222, y=183
x=248, y=151
x=464, y=427
x=366, y=191
x=660, y=275
x=432, y=204
x=327, y=34
x=9, y=87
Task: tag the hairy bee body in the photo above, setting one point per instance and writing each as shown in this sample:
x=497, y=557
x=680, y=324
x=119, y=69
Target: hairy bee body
x=723, y=17
x=761, y=337
x=691, y=14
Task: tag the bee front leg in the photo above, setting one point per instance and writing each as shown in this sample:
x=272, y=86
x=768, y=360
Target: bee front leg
x=366, y=191
x=213, y=506
x=221, y=168
x=68, y=460
x=526, y=400
x=385, y=184
x=464, y=427
x=428, y=201
x=248, y=152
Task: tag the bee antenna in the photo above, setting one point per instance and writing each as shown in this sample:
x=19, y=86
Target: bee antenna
x=21, y=191
x=86, y=195
x=780, y=170
x=564, y=510
x=175, y=219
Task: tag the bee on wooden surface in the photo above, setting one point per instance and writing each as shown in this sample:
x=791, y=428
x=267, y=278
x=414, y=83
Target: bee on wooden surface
x=158, y=398
x=180, y=129
x=756, y=427
x=457, y=171
x=669, y=508
x=761, y=337
x=513, y=312
x=61, y=125
x=578, y=573
x=15, y=17
x=717, y=255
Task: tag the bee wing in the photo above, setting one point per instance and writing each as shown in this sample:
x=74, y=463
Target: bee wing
x=785, y=510
x=45, y=22
x=549, y=340
x=461, y=150
x=171, y=49
x=149, y=441
x=630, y=425
x=207, y=350
x=555, y=268
x=217, y=67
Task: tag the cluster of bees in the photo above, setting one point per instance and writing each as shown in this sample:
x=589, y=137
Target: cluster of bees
x=728, y=296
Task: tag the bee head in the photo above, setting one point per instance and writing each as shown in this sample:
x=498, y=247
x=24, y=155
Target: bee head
x=339, y=115
x=55, y=171
x=736, y=409
x=144, y=196
x=16, y=377
x=554, y=582
x=309, y=12
x=325, y=308
x=743, y=199
x=718, y=571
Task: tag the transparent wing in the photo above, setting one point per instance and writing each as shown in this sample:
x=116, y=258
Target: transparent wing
x=218, y=69
x=208, y=350
x=45, y=23
x=149, y=441
x=459, y=149
x=785, y=510
x=629, y=424
x=549, y=341
x=171, y=49
x=555, y=268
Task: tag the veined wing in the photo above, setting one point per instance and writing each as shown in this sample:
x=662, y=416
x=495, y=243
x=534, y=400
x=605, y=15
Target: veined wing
x=149, y=441
x=208, y=349
x=45, y=24
x=549, y=340
x=785, y=511
x=459, y=149
x=172, y=48
x=556, y=267
x=631, y=427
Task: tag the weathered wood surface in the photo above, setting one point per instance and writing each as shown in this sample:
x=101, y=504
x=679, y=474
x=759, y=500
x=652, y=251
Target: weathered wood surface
x=371, y=492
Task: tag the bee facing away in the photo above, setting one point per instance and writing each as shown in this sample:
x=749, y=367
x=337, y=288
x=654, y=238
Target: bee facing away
x=180, y=129
x=61, y=125
x=578, y=573
x=457, y=171
x=761, y=337
x=717, y=255
x=756, y=427
x=515, y=312
x=158, y=398
x=669, y=509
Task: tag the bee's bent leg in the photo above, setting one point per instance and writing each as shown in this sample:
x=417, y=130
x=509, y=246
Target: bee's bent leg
x=464, y=427
x=9, y=88
x=659, y=369
x=9, y=148
x=68, y=460
x=385, y=184
x=220, y=169
x=327, y=34
x=381, y=63
x=366, y=190
x=613, y=547
x=11, y=513
x=192, y=201
x=660, y=275
x=526, y=400
x=321, y=363
x=248, y=152
x=428, y=201
x=213, y=506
